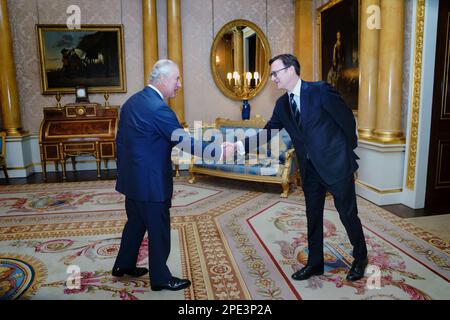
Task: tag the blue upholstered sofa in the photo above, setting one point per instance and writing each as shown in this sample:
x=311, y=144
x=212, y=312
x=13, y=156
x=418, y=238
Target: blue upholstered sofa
x=262, y=165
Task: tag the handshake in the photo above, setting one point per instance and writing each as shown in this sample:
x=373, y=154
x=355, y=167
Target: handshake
x=229, y=149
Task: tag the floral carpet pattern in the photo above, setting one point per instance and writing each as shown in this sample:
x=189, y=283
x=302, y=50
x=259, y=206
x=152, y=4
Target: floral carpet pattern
x=233, y=239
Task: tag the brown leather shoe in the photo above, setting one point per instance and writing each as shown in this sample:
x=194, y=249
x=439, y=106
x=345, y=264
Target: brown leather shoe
x=307, y=272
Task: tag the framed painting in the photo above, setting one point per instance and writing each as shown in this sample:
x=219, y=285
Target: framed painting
x=92, y=56
x=338, y=34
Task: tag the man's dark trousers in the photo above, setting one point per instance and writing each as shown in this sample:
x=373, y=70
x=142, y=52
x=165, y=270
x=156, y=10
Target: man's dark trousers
x=153, y=217
x=345, y=202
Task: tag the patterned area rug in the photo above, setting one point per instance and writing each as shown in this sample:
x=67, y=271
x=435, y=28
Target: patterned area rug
x=234, y=239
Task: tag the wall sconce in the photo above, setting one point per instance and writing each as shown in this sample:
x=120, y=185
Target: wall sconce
x=244, y=89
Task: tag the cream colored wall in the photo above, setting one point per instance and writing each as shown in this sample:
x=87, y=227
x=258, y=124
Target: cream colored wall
x=25, y=14
x=203, y=19
x=200, y=18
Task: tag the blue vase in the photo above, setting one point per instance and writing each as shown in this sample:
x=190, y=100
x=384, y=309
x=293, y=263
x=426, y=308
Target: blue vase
x=245, y=110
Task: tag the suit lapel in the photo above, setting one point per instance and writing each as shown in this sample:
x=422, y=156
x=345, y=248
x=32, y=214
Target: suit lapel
x=304, y=103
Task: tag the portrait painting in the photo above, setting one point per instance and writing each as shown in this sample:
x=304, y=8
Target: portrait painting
x=92, y=56
x=339, y=47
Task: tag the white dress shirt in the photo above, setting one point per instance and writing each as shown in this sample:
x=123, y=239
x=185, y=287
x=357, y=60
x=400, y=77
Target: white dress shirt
x=159, y=92
x=296, y=93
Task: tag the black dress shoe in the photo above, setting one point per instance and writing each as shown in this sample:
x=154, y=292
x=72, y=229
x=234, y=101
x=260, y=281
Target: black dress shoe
x=307, y=272
x=132, y=272
x=357, y=270
x=174, y=284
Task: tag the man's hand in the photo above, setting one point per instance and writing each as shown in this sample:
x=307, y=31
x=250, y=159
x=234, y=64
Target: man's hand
x=228, y=150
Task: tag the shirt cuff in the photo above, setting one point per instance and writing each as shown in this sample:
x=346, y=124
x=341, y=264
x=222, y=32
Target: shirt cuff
x=240, y=148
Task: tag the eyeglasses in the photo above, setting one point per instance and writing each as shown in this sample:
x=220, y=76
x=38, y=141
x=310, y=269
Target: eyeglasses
x=275, y=73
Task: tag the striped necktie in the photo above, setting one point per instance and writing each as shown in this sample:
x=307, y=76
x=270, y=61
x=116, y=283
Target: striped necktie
x=294, y=108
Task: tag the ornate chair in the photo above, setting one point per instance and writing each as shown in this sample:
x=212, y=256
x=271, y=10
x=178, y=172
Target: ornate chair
x=3, y=154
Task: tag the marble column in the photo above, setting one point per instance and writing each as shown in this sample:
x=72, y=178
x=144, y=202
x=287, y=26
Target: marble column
x=175, y=52
x=368, y=70
x=303, y=39
x=150, y=36
x=389, y=97
x=9, y=98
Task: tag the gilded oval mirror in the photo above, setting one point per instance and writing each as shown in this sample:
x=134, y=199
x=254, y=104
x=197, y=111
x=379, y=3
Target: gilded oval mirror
x=240, y=59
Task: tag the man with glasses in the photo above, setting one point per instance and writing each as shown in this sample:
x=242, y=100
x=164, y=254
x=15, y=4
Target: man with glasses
x=323, y=130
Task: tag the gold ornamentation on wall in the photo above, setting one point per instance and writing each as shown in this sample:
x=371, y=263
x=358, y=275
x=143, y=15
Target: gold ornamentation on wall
x=414, y=132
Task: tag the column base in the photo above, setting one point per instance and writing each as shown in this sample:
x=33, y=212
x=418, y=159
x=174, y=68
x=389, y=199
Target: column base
x=365, y=133
x=16, y=132
x=388, y=137
x=380, y=173
x=19, y=155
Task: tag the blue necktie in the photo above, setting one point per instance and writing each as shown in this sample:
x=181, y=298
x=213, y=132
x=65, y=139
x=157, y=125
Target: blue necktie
x=294, y=108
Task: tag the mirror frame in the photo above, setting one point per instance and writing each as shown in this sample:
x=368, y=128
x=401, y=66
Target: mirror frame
x=265, y=43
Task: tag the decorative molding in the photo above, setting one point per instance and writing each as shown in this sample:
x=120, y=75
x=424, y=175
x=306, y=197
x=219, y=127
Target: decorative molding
x=380, y=147
x=417, y=83
x=370, y=187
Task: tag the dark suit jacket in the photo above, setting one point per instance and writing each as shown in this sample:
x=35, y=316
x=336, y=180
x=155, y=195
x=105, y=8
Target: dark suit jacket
x=144, y=147
x=327, y=133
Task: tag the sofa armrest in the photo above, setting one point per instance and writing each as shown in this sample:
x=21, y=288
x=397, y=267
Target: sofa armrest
x=290, y=154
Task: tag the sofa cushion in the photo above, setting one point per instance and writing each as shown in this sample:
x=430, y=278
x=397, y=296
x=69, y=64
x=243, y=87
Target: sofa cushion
x=256, y=169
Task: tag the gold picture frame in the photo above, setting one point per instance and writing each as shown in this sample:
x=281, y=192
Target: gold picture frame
x=225, y=58
x=92, y=56
x=338, y=34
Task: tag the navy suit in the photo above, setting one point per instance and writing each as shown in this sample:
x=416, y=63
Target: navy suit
x=144, y=176
x=324, y=143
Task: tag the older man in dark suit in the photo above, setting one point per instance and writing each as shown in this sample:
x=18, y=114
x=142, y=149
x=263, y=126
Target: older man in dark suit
x=145, y=140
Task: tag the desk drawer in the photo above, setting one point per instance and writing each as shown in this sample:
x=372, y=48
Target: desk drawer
x=107, y=150
x=51, y=152
x=82, y=147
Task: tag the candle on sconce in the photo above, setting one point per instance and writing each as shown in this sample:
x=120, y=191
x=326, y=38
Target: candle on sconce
x=236, y=78
x=229, y=77
x=256, y=77
x=248, y=75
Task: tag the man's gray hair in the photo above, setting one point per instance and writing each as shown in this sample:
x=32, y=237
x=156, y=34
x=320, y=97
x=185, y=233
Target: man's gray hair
x=162, y=68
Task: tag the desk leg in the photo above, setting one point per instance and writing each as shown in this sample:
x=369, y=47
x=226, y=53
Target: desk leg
x=63, y=161
x=44, y=169
x=43, y=162
x=74, y=164
x=97, y=158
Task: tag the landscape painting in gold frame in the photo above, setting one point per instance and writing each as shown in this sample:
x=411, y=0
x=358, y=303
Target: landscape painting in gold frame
x=92, y=56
